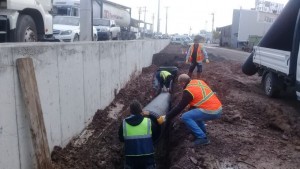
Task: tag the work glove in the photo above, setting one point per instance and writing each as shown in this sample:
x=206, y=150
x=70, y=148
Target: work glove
x=206, y=60
x=161, y=120
x=145, y=113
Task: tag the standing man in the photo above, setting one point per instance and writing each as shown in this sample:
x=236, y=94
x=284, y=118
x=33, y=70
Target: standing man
x=138, y=133
x=204, y=105
x=162, y=79
x=195, y=56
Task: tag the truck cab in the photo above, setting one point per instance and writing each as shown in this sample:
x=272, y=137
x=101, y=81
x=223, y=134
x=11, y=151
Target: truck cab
x=106, y=29
x=25, y=21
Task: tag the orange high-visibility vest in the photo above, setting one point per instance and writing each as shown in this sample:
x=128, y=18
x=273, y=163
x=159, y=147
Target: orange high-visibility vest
x=203, y=96
x=200, y=56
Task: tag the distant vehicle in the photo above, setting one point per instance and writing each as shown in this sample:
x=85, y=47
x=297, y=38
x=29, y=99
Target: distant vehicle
x=67, y=29
x=25, y=20
x=277, y=56
x=101, y=9
x=182, y=40
x=106, y=29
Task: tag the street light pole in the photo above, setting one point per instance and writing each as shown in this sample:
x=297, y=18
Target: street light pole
x=213, y=21
x=166, y=20
x=158, y=23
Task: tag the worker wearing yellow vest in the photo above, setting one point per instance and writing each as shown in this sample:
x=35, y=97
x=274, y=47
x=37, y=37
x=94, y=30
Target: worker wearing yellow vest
x=195, y=56
x=138, y=133
x=163, y=80
x=204, y=105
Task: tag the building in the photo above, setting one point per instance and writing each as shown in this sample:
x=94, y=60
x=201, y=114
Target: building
x=268, y=6
x=225, y=36
x=247, y=23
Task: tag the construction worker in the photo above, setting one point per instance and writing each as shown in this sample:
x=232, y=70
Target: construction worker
x=204, y=105
x=138, y=133
x=162, y=80
x=195, y=56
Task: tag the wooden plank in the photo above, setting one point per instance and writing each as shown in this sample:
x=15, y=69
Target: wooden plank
x=34, y=112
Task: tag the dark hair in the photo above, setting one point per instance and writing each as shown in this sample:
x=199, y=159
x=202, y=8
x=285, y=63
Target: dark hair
x=135, y=107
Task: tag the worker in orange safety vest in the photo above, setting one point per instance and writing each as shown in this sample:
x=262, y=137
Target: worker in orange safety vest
x=204, y=105
x=195, y=56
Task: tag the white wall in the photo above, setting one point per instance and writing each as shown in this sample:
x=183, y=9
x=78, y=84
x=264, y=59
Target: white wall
x=249, y=24
x=74, y=80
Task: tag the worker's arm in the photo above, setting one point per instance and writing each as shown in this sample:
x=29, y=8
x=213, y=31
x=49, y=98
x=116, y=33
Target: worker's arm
x=121, y=137
x=186, y=99
x=188, y=55
x=204, y=52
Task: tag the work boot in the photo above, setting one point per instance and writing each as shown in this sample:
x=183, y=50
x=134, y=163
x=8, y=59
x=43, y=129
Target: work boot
x=201, y=141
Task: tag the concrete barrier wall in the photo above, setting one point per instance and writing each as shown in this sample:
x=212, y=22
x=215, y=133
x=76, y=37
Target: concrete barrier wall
x=74, y=80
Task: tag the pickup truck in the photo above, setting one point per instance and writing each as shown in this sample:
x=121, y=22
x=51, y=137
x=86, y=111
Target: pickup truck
x=106, y=29
x=277, y=58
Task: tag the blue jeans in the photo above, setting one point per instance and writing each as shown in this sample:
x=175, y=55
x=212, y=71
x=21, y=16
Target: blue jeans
x=194, y=120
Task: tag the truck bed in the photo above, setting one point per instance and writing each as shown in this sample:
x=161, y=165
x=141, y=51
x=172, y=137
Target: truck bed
x=277, y=60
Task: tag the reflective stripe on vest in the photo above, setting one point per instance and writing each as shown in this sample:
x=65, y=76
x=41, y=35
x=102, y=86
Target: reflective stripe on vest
x=199, y=57
x=138, y=139
x=164, y=74
x=206, y=99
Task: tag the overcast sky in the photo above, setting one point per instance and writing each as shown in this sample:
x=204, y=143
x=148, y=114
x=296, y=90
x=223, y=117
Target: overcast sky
x=183, y=14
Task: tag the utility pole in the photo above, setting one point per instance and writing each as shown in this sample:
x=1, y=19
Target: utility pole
x=166, y=20
x=158, y=19
x=152, y=27
x=140, y=12
x=213, y=21
x=86, y=17
x=145, y=11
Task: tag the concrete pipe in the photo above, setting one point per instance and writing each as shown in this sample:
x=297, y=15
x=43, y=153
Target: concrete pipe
x=159, y=105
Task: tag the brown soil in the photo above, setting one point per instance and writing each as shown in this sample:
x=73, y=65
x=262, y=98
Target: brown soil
x=254, y=131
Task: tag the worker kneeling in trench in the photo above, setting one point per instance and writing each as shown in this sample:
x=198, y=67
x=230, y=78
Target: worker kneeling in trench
x=138, y=132
x=204, y=105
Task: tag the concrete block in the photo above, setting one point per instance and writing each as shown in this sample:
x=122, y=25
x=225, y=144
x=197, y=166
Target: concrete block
x=9, y=148
x=91, y=79
x=71, y=93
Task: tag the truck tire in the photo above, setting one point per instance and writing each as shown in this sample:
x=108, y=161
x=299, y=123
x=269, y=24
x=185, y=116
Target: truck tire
x=110, y=36
x=26, y=29
x=272, y=85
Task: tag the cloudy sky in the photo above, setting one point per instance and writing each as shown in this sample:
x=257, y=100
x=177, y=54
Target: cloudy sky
x=186, y=14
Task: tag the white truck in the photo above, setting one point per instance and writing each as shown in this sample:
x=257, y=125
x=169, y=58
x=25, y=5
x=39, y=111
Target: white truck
x=106, y=29
x=101, y=9
x=277, y=56
x=25, y=20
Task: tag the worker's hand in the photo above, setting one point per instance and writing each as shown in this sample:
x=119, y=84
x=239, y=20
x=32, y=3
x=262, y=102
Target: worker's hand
x=186, y=61
x=145, y=113
x=161, y=120
x=206, y=60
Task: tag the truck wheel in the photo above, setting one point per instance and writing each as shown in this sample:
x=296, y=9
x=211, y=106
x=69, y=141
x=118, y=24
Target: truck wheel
x=26, y=29
x=95, y=37
x=271, y=85
x=76, y=38
x=110, y=36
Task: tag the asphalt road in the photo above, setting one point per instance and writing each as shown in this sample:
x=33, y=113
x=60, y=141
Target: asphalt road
x=228, y=54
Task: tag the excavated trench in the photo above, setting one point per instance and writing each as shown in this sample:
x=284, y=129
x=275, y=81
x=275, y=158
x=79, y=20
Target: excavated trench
x=249, y=134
